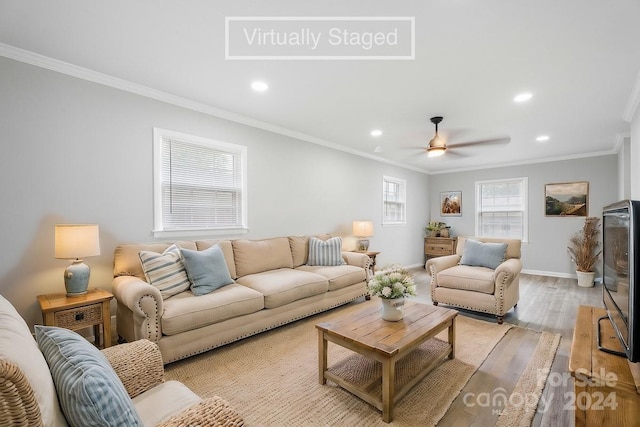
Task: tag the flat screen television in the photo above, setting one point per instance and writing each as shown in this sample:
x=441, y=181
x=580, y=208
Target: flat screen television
x=621, y=273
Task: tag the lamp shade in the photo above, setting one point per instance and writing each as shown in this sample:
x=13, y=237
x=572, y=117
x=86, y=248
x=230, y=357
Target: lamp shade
x=76, y=240
x=363, y=228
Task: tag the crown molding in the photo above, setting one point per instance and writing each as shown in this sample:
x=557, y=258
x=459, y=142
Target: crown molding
x=633, y=102
x=529, y=162
x=69, y=69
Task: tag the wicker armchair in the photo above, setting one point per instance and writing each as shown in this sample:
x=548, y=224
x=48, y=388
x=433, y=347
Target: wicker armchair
x=28, y=398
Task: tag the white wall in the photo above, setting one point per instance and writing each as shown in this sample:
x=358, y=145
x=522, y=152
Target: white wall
x=546, y=251
x=634, y=166
x=76, y=151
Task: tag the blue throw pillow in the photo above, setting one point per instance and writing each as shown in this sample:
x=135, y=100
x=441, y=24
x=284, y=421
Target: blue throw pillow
x=207, y=270
x=89, y=390
x=328, y=252
x=489, y=255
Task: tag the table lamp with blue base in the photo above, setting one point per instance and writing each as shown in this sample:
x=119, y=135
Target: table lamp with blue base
x=74, y=241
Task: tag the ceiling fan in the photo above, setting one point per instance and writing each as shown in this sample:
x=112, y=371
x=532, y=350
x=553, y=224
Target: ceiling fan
x=438, y=145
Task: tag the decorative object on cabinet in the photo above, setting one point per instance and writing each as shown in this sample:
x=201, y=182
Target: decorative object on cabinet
x=451, y=203
x=566, y=199
x=363, y=229
x=75, y=241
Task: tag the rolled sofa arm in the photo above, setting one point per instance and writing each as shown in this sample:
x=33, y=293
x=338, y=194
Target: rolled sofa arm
x=145, y=303
x=213, y=411
x=358, y=260
x=506, y=272
x=138, y=365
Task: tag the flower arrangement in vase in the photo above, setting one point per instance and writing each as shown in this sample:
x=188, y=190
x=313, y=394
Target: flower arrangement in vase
x=392, y=285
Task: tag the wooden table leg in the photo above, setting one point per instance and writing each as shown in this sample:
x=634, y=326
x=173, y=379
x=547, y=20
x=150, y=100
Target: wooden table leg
x=322, y=357
x=106, y=324
x=388, y=388
x=452, y=338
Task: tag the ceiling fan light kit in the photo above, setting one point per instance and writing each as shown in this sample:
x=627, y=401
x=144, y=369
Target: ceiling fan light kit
x=437, y=145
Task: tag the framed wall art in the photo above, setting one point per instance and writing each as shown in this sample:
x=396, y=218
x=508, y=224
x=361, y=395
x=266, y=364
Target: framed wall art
x=566, y=199
x=451, y=203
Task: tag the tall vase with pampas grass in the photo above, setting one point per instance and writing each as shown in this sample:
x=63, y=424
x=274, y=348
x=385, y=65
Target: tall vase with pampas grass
x=584, y=250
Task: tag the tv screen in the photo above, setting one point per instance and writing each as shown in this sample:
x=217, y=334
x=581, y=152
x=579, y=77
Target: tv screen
x=619, y=296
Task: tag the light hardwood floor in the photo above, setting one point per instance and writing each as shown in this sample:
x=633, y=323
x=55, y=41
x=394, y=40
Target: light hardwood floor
x=546, y=304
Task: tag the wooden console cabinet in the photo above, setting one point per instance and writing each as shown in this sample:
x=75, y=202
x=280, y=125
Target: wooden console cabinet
x=439, y=246
x=605, y=390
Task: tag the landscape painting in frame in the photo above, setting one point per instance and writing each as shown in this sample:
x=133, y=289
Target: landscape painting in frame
x=567, y=199
x=451, y=203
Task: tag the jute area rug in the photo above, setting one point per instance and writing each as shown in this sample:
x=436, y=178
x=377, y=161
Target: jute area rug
x=272, y=378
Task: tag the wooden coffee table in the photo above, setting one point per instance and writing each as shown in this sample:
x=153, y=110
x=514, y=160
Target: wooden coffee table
x=365, y=332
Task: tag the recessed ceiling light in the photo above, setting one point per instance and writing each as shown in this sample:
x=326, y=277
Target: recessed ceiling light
x=522, y=97
x=376, y=132
x=259, y=86
x=542, y=138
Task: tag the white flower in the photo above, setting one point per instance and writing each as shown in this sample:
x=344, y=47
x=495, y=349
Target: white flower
x=386, y=291
x=392, y=282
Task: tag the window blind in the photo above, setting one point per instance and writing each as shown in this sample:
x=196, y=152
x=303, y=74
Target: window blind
x=201, y=185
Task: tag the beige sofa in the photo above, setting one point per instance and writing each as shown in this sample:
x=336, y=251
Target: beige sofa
x=488, y=290
x=28, y=394
x=273, y=286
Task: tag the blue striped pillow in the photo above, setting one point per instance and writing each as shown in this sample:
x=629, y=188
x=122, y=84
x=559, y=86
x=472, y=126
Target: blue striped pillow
x=328, y=252
x=165, y=271
x=89, y=391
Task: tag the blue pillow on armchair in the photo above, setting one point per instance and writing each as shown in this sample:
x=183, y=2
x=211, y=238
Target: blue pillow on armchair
x=480, y=254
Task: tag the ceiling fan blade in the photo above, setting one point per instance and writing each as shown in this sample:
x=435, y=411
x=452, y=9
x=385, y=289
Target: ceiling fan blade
x=503, y=140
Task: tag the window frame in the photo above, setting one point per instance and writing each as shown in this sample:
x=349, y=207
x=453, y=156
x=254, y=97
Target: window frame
x=524, y=208
x=158, y=227
x=402, y=191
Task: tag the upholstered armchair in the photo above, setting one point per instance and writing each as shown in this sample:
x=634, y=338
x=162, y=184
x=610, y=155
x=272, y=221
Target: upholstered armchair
x=483, y=275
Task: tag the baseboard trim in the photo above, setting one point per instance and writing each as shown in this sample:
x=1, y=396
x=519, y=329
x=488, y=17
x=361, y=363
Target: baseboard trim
x=555, y=274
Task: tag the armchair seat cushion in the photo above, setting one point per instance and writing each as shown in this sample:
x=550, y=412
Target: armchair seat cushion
x=163, y=401
x=468, y=278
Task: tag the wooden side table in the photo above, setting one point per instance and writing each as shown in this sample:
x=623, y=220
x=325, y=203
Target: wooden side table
x=78, y=312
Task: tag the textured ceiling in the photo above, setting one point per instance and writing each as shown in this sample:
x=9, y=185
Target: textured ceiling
x=579, y=59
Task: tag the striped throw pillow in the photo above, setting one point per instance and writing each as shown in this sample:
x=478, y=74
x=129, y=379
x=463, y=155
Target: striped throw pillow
x=89, y=390
x=165, y=271
x=328, y=252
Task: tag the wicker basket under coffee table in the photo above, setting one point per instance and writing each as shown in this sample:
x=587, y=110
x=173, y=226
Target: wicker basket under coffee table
x=365, y=332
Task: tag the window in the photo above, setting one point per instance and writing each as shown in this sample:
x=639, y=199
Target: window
x=393, y=201
x=501, y=208
x=200, y=185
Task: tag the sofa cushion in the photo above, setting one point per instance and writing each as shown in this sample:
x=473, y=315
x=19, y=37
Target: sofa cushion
x=18, y=346
x=325, y=253
x=185, y=311
x=126, y=261
x=164, y=401
x=489, y=255
x=339, y=276
x=206, y=269
x=227, y=250
x=89, y=390
x=165, y=271
x=300, y=248
x=479, y=279
x=285, y=285
x=256, y=256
